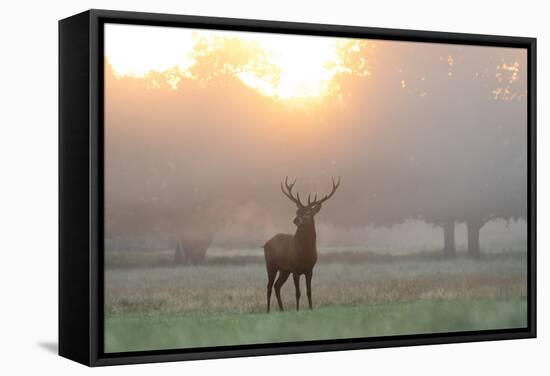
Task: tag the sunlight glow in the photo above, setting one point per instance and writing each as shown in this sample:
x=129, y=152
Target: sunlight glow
x=306, y=64
x=136, y=50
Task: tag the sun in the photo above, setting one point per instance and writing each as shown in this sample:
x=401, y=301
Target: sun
x=306, y=64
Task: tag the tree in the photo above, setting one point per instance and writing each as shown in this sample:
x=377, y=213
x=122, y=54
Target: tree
x=423, y=131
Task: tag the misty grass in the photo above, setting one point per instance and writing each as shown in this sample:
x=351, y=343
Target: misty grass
x=135, y=332
x=215, y=305
x=212, y=289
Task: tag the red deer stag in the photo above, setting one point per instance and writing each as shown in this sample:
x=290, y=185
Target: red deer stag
x=296, y=254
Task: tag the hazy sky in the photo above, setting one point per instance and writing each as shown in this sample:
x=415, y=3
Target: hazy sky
x=201, y=127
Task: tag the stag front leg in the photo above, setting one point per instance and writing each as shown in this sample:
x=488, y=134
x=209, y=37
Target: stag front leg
x=270, y=279
x=283, y=276
x=296, y=278
x=308, y=287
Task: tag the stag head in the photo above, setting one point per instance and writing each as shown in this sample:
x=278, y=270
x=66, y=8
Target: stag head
x=306, y=212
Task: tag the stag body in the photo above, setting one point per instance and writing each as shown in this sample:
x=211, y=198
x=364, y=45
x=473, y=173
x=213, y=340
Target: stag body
x=294, y=254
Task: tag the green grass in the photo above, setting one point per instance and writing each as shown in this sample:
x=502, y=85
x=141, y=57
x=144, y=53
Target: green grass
x=231, y=288
x=156, y=330
x=167, y=307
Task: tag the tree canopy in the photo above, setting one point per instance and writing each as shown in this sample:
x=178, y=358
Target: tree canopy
x=429, y=131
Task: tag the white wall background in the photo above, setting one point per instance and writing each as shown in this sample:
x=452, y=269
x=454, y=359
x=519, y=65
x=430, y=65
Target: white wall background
x=28, y=188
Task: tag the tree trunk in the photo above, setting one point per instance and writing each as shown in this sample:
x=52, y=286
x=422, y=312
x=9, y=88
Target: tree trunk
x=197, y=254
x=180, y=255
x=191, y=250
x=449, y=239
x=474, y=227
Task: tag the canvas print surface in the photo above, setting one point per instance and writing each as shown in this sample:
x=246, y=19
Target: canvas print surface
x=270, y=188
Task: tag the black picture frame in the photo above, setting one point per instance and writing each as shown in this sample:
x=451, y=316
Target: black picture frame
x=81, y=186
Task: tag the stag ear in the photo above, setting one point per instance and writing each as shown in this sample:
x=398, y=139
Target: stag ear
x=316, y=209
x=297, y=221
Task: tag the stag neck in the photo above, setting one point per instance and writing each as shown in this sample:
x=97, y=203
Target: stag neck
x=306, y=238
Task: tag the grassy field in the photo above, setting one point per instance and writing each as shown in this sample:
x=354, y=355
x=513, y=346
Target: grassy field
x=157, y=331
x=222, y=304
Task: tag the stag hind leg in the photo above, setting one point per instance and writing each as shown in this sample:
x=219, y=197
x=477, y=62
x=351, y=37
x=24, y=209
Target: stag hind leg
x=296, y=278
x=283, y=276
x=271, y=273
x=308, y=287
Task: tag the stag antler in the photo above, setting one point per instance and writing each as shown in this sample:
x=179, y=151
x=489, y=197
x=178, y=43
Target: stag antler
x=288, y=192
x=334, y=188
x=298, y=202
